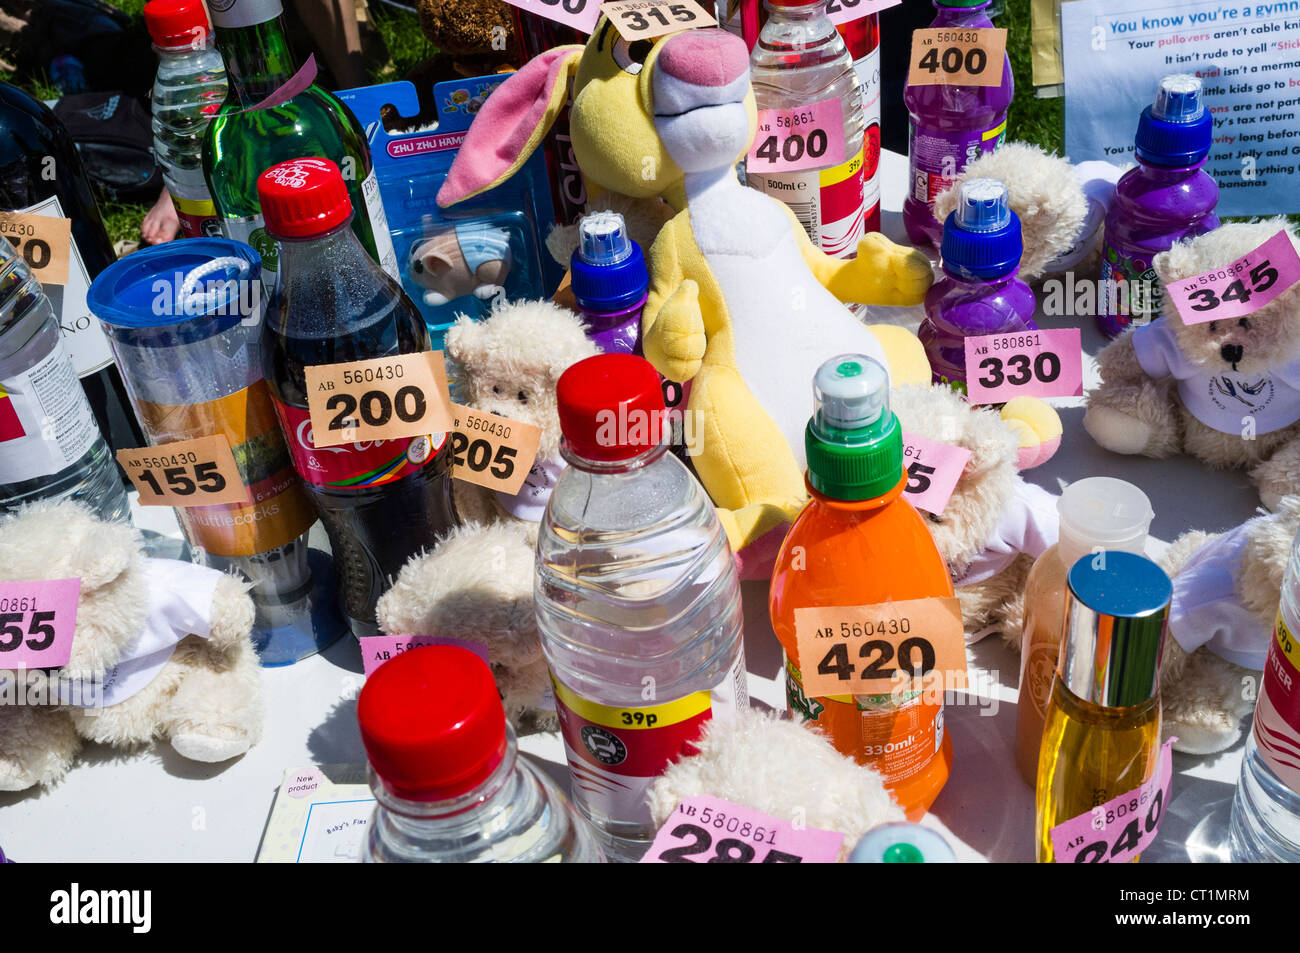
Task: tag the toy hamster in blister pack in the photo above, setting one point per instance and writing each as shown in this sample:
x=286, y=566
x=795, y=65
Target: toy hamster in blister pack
x=458, y=261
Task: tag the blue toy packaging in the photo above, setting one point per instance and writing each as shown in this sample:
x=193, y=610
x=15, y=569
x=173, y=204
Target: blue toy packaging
x=455, y=261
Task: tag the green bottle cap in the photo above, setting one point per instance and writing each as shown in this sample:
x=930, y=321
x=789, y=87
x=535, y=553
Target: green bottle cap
x=963, y=3
x=854, y=443
x=903, y=853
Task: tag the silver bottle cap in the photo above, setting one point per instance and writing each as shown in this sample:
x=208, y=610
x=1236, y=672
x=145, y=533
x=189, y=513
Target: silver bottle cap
x=1116, y=607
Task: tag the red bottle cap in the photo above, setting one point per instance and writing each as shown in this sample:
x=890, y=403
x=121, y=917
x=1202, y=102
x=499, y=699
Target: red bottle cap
x=173, y=23
x=432, y=722
x=611, y=407
x=303, y=198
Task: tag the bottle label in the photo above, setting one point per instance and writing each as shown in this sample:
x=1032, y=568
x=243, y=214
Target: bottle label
x=233, y=14
x=279, y=511
x=1277, y=713
x=379, y=226
x=828, y=204
x=868, y=70
x=198, y=217
x=616, y=753
x=937, y=158
x=45, y=419
x=252, y=231
x=353, y=466
x=84, y=335
x=1131, y=294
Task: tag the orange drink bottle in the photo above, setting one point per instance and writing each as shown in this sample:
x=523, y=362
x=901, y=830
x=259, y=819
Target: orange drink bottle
x=858, y=542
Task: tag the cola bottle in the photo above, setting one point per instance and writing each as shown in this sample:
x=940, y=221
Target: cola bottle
x=380, y=501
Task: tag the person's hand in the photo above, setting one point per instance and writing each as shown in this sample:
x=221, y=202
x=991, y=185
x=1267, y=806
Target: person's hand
x=160, y=222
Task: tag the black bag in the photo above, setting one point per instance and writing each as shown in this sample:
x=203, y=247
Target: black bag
x=114, y=136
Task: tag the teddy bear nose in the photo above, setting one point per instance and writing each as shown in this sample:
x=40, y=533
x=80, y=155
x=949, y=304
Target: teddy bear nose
x=708, y=57
x=1231, y=352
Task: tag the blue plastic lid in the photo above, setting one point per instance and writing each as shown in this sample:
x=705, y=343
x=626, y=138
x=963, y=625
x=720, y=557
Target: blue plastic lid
x=607, y=271
x=137, y=296
x=981, y=238
x=1176, y=130
x=902, y=843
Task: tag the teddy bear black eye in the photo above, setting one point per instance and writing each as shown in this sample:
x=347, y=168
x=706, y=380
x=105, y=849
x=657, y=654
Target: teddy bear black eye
x=935, y=519
x=523, y=398
x=1244, y=323
x=1214, y=326
x=496, y=390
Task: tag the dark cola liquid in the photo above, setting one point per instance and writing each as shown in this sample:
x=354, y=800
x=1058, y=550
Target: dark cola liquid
x=373, y=530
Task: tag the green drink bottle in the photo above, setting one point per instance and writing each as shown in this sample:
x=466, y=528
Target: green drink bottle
x=243, y=142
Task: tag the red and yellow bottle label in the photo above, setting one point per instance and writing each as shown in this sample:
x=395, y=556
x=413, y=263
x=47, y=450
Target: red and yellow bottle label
x=1277, y=713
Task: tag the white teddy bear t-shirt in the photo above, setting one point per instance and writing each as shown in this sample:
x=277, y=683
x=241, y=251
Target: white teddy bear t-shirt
x=1223, y=400
x=1206, y=609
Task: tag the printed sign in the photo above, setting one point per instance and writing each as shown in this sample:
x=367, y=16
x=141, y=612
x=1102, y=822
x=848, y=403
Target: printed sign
x=846, y=11
x=953, y=56
x=864, y=650
x=933, y=470
x=198, y=472
x=807, y=137
x=1117, y=831
x=708, y=830
x=1239, y=289
x=385, y=398
x=1024, y=364
x=378, y=649
x=492, y=451
x=44, y=241
x=579, y=14
x=38, y=620
x=647, y=19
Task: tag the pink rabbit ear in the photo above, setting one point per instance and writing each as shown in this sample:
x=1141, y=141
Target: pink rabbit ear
x=510, y=125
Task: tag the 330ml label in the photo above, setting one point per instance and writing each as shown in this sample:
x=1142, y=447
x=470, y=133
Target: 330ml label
x=1024, y=364
x=385, y=398
x=877, y=649
x=708, y=830
x=948, y=56
x=492, y=451
x=197, y=472
x=38, y=619
x=44, y=242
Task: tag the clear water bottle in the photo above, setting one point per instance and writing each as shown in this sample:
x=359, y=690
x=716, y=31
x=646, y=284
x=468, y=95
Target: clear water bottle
x=637, y=598
x=1266, y=809
x=801, y=60
x=451, y=785
x=50, y=445
x=187, y=92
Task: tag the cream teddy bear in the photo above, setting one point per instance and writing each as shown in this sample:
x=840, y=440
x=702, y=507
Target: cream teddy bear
x=1226, y=392
x=995, y=524
x=477, y=583
x=161, y=650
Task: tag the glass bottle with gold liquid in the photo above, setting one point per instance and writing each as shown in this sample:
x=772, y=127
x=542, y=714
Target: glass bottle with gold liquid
x=1096, y=513
x=1102, y=733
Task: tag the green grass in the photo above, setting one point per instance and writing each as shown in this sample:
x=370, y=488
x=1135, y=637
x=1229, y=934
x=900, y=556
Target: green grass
x=407, y=46
x=1040, y=121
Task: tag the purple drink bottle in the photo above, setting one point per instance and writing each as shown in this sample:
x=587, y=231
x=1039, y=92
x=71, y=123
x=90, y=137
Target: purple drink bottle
x=1167, y=198
x=980, y=292
x=951, y=126
x=609, y=279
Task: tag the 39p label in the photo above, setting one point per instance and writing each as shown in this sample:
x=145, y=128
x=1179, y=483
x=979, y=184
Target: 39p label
x=197, y=472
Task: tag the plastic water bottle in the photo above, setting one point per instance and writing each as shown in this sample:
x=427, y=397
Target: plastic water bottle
x=980, y=292
x=1167, y=198
x=450, y=782
x=50, y=445
x=800, y=60
x=187, y=92
x=637, y=598
x=1266, y=809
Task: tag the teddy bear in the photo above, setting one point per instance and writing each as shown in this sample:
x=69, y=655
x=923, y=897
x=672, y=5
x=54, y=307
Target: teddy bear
x=477, y=582
x=995, y=524
x=784, y=768
x=161, y=650
x=1224, y=391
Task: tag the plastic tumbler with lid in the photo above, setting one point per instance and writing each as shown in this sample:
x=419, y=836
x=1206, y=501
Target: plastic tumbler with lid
x=184, y=320
x=1097, y=513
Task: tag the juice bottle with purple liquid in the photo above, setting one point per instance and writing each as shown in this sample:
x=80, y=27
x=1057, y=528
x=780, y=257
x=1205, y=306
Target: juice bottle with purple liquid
x=951, y=126
x=980, y=292
x=1167, y=198
x=610, y=281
